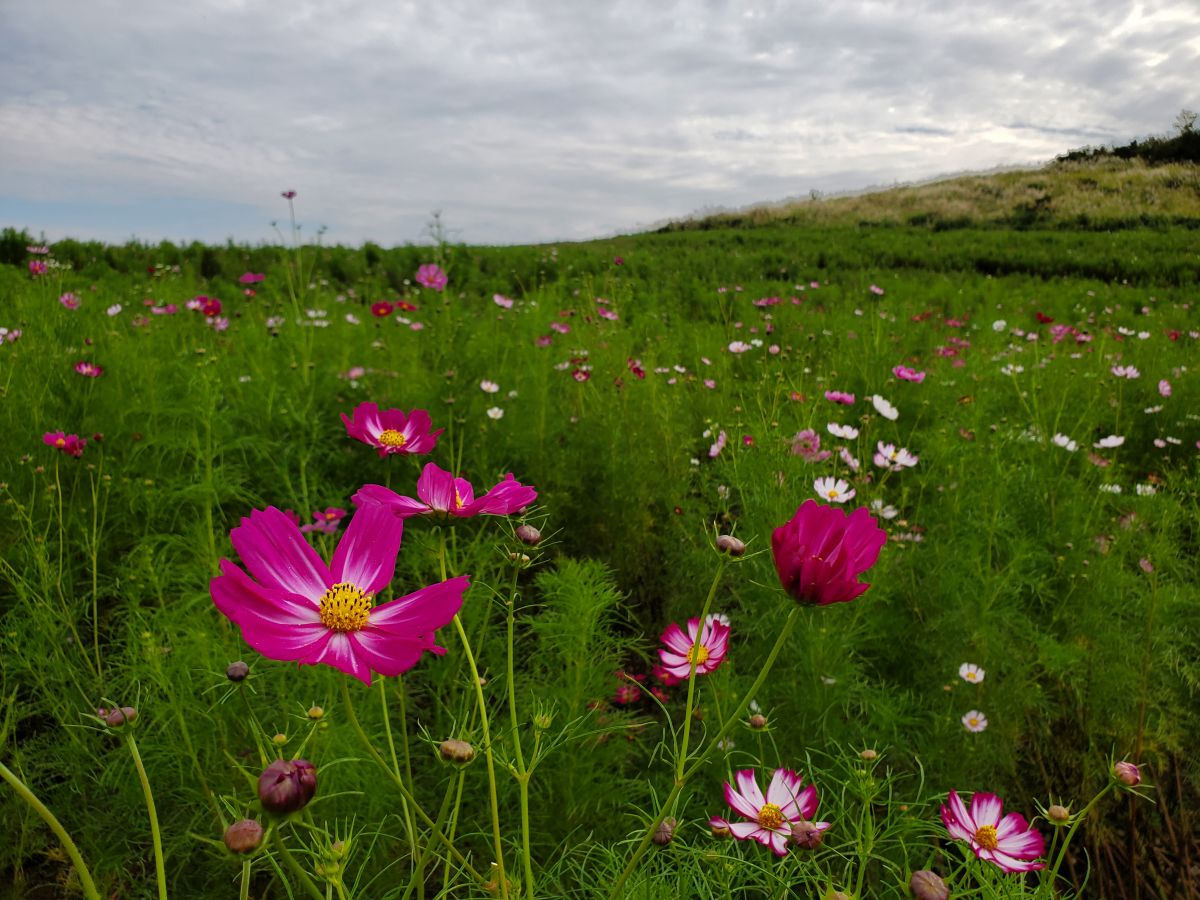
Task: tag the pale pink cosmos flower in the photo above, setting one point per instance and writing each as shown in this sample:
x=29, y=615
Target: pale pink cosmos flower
x=391, y=431
x=787, y=802
x=325, y=521
x=848, y=458
x=845, y=432
x=431, y=276
x=1107, y=443
x=1007, y=842
x=904, y=373
x=889, y=456
x=294, y=607
x=807, y=445
x=718, y=446
x=440, y=493
x=975, y=721
x=607, y=314
x=69, y=300
x=971, y=673
x=488, y=387
x=739, y=347
x=682, y=650
x=502, y=301
x=88, y=369
x=560, y=327
x=114, y=310
x=1125, y=372
x=833, y=490
x=884, y=408
x=1164, y=388
x=840, y=397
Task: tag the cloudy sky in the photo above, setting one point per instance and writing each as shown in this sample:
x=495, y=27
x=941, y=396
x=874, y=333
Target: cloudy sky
x=546, y=119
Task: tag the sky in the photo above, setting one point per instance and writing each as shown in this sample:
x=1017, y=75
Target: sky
x=546, y=120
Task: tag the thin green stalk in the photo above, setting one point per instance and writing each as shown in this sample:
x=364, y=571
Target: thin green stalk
x=159, y=868
x=403, y=788
x=387, y=728
x=462, y=777
x=244, y=891
x=294, y=867
x=1062, y=851
x=418, y=875
x=669, y=803
x=694, y=660
x=523, y=774
x=81, y=869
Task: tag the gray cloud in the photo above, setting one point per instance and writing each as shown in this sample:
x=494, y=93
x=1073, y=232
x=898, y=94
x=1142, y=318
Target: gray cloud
x=542, y=121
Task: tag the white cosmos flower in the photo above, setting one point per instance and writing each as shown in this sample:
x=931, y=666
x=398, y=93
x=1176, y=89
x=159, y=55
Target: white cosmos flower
x=971, y=672
x=1107, y=443
x=999, y=325
x=884, y=512
x=1110, y=488
x=834, y=490
x=846, y=432
x=495, y=413
x=1145, y=490
x=884, y=408
x=893, y=457
x=1061, y=440
x=488, y=387
x=974, y=721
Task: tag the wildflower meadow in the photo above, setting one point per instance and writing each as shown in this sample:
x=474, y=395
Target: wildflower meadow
x=829, y=562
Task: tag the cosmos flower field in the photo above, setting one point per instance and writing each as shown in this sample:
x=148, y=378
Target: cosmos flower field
x=855, y=562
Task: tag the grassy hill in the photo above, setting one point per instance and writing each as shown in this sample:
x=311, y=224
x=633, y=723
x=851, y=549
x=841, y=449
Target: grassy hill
x=1100, y=194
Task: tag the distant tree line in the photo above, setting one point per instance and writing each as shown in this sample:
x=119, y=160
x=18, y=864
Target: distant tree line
x=1183, y=146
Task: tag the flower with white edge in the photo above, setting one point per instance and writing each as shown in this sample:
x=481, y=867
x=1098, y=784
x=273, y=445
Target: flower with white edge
x=848, y=458
x=884, y=511
x=488, y=387
x=884, y=408
x=971, y=672
x=833, y=490
x=846, y=432
x=975, y=721
x=1125, y=372
x=1061, y=440
x=717, y=617
x=495, y=413
x=1107, y=443
x=889, y=456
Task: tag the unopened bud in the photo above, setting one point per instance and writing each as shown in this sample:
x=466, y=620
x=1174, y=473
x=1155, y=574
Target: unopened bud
x=456, y=751
x=1059, y=815
x=529, y=535
x=720, y=828
x=927, y=885
x=665, y=832
x=806, y=835
x=727, y=543
x=280, y=739
x=243, y=836
x=1127, y=773
x=542, y=721
x=868, y=754
x=316, y=712
x=237, y=671
x=115, y=718
x=758, y=721
x=286, y=786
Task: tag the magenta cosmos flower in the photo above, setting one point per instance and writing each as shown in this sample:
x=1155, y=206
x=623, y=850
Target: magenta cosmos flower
x=89, y=369
x=71, y=444
x=294, y=607
x=821, y=552
x=431, y=275
x=440, y=492
x=390, y=431
x=1008, y=842
x=787, y=803
x=681, y=648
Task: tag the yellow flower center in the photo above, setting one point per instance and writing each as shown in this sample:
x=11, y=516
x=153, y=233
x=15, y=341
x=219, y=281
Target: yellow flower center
x=770, y=816
x=390, y=437
x=697, y=654
x=345, y=608
x=985, y=837
x=832, y=495
x=457, y=499
x=60, y=443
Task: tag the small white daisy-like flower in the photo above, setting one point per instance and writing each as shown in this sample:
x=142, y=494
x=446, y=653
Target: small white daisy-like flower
x=1107, y=443
x=1110, y=488
x=834, y=490
x=1010, y=369
x=1125, y=372
x=971, y=672
x=1061, y=440
x=1151, y=410
x=114, y=310
x=846, y=432
x=1145, y=490
x=884, y=408
x=975, y=721
x=999, y=325
x=883, y=511
x=488, y=387
x=893, y=457
x=495, y=413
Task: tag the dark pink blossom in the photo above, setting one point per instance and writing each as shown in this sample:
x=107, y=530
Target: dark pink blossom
x=391, y=431
x=1008, y=842
x=70, y=444
x=431, y=276
x=820, y=553
x=439, y=492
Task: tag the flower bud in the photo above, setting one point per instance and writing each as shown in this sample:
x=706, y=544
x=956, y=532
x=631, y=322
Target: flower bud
x=720, y=827
x=280, y=739
x=1127, y=773
x=316, y=712
x=115, y=718
x=868, y=754
x=665, y=832
x=458, y=752
x=237, y=671
x=758, y=721
x=1059, y=815
x=806, y=835
x=243, y=836
x=727, y=543
x=529, y=535
x=286, y=786
x=927, y=885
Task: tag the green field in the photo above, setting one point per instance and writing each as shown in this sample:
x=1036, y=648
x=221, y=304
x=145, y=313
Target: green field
x=1067, y=575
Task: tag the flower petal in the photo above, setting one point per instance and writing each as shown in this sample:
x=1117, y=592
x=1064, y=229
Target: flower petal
x=749, y=787
x=240, y=599
x=740, y=804
x=366, y=554
x=423, y=611
x=986, y=809
x=276, y=554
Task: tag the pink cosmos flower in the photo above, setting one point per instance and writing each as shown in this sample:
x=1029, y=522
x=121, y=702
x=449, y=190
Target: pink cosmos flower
x=1164, y=388
x=560, y=327
x=91, y=370
x=502, y=301
x=807, y=445
x=904, y=373
x=325, y=521
x=294, y=607
x=678, y=656
x=69, y=300
x=1009, y=843
x=717, y=446
x=391, y=431
x=252, y=278
x=440, y=492
x=840, y=397
x=786, y=803
x=287, y=195
x=431, y=275
x=821, y=551
x=37, y=267
x=607, y=314
x=71, y=444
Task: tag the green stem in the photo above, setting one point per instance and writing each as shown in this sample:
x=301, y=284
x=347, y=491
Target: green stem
x=159, y=868
x=294, y=867
x=1062, y=851
x=244, y=892
x=694, y=660
x=402, y=787
x=784, y=633
x=387, y=728
x=523, y=774
x=85, y=876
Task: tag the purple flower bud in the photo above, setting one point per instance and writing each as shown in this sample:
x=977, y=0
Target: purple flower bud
x=727, y=543
x=237, y=671
x=243, y=836
x=758, y=721
x=455, y=751
x=116, y=718
x=665, y=832
x=286, y=786
x=529, y=535
x=1127, y=773
x=806, y=835
x=926, y=885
